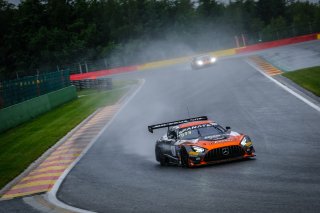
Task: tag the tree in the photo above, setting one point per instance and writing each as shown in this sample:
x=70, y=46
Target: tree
x=270, y=9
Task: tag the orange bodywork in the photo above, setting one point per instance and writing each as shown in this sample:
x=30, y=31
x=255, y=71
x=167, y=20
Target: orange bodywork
x=210, y=145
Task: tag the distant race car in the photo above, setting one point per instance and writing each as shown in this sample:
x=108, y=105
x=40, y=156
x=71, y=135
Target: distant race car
x=198, y=141
x=202, y=61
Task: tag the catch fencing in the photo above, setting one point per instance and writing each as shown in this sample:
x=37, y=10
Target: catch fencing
x=22, y=89
x=274, y=34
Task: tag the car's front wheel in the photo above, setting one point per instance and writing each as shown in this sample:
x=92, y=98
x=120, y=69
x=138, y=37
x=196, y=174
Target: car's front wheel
x=160, y=157
x=184, y=157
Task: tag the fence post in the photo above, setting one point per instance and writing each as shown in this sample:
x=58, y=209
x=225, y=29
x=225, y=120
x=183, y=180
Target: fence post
x=243, y=40
x=85, y=63
x=310, y=28
x=293, y=31
x=237, y=41
x=260, y=37
x=105, y=63
x=80, y=68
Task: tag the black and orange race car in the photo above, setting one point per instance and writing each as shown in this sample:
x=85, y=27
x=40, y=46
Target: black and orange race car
x=199, y=141
x=202, y=61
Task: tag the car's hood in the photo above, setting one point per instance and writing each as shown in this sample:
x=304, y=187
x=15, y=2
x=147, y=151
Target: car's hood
x=217, y=141
x=227, y=141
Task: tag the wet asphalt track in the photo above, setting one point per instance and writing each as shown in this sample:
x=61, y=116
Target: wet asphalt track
x=120, y=174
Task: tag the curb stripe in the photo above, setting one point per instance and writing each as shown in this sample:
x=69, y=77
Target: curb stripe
x=39, y=179
x=34, y=183
x=27, y=190
x=54, y=164
x=57, y=174
x=267, y=68
x=66, y=157
x=9, y=196
x=51, y=168
x=46, y=172
x=67, y=152
x=69, y=158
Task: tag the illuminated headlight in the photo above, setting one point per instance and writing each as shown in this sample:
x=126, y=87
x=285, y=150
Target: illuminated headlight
x=198, y=149
x=246, y=141
x=200, y=63
x=213, y=59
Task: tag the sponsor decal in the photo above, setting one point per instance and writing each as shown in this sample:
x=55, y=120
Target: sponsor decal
x=196, y=127
x=221, y=141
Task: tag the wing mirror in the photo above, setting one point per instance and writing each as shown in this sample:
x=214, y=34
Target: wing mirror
x=228, y=128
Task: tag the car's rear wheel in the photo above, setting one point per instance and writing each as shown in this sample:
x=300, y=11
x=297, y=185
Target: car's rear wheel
x=184, y=157
x=160, y=157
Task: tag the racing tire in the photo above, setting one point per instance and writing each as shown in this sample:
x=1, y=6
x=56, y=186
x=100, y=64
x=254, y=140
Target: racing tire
x=160, y=157
x=184, y=157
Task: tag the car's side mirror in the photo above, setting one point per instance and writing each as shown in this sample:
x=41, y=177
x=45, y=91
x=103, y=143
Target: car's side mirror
x=228, y=128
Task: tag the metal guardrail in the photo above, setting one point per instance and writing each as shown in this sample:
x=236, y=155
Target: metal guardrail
x=101, y=84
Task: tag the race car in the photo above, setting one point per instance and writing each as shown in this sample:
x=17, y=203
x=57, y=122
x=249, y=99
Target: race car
x=202, y=61
x=198, y=141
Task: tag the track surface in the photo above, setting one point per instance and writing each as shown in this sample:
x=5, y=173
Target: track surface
x=119, y=173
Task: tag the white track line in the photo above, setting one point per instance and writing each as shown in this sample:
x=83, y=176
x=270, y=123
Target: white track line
x=314, y=106
x=52, y=194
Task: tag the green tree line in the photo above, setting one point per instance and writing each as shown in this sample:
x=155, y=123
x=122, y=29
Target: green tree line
x=41, y=34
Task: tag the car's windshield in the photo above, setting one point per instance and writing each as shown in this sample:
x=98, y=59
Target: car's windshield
x=202, y=130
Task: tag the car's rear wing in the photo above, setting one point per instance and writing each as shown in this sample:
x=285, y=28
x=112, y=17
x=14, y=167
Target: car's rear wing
x=174, y=123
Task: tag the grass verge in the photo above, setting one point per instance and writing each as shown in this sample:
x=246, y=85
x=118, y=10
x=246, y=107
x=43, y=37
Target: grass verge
x=22, y=145
x=308, y=78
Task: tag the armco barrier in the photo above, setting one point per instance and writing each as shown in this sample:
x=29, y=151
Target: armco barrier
x=277, y=43
x=157, y=64
x=228, y=52
x=24, y=111
x=93, y=75
x=221, y=53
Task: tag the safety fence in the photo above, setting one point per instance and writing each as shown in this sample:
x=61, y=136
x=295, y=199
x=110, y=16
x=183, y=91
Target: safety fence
x=276, y=33
x=22, y=89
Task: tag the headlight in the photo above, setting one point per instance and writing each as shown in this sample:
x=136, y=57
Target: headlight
x=198, y=149
x=246, y=141
x=199, y=63
x=213, y=59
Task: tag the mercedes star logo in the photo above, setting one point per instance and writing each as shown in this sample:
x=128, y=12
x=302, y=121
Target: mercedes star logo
x=225, y=151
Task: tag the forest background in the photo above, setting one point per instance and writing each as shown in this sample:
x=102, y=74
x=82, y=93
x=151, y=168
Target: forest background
x=39, y=36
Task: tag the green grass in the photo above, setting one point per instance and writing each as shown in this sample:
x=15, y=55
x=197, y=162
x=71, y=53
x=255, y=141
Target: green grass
x=22, y=145
x=308, y=78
